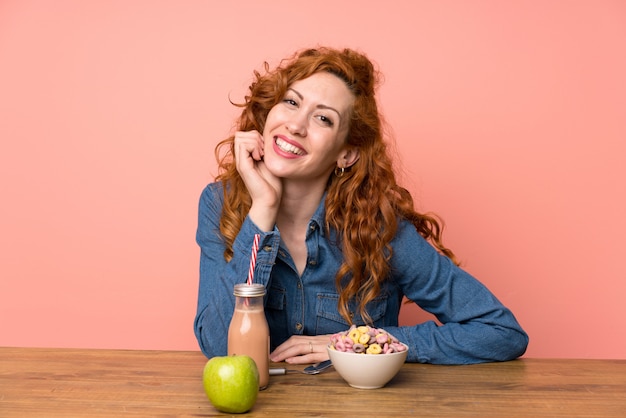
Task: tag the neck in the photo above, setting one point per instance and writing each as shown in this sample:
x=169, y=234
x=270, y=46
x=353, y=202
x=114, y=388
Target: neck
x=298, y=203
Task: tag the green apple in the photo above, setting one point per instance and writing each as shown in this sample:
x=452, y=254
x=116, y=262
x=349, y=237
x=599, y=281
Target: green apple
x=231, y=383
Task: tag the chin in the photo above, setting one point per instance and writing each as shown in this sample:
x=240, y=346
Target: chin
x=276, y=168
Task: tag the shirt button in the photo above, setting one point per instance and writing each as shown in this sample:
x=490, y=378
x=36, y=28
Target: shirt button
x=312, y=263
x=267, y=248
x=312, y=227
x=298, y=326
x=299, y=285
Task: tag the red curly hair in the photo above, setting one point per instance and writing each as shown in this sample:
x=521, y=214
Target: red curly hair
x=365, y=226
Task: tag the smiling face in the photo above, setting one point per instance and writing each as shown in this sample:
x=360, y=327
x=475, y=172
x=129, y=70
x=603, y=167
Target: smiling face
x=305, y=133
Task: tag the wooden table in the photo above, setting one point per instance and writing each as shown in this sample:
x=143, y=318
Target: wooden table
x=73, y=382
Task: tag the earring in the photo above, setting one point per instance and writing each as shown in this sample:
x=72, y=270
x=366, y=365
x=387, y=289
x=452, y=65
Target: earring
x=339, y=171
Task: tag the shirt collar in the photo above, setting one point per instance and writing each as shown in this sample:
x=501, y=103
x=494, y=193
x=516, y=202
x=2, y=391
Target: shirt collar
x=318, y=218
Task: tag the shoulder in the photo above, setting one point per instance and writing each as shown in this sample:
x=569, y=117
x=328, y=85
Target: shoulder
x=410, y=244
x=407, y=234
x=213, y=191
x=212, y=197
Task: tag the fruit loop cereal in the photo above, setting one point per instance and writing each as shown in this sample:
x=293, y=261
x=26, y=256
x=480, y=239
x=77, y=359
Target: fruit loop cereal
x=365, y=340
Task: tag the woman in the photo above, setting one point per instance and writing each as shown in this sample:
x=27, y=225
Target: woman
x=341, y=242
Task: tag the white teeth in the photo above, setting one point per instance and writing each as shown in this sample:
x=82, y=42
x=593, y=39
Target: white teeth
x=287, y=147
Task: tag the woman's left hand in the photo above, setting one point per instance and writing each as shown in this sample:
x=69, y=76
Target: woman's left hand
x=302, y=349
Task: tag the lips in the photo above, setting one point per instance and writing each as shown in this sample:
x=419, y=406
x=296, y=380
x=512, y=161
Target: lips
x=288, y=147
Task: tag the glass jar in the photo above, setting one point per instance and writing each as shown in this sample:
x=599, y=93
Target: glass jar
x=248, y=332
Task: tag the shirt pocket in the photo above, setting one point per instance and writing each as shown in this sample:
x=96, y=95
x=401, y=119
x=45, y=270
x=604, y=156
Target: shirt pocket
x=276, y=314
x=329, y=321
x=276, y=298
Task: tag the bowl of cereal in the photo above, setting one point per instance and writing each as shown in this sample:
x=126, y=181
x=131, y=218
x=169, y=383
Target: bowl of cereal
x=366, y=357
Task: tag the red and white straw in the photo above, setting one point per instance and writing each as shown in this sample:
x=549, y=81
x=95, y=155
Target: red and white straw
x=255, y=250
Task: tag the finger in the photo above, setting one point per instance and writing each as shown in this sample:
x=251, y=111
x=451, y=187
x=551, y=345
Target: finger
x=311, y=354
x=299, y=353
x=261, y=143
x=299, y=349
x=245, y=144
x=252, y=141
x=308, y=359
x=284, y=351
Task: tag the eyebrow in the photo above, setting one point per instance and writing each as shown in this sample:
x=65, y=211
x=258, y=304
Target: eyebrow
x=319, y=106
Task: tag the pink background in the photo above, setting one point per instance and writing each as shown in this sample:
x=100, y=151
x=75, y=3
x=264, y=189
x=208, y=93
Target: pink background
x=509, y=119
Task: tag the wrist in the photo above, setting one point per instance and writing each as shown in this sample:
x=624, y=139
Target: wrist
x=264, y=217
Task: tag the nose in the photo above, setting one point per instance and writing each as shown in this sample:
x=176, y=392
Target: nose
x=296, y=124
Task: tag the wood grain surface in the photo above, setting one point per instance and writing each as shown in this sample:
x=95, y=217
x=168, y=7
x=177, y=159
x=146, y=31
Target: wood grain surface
x=38, y=382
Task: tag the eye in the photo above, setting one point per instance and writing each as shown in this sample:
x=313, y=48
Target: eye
x=326, y=120
x=290, y=101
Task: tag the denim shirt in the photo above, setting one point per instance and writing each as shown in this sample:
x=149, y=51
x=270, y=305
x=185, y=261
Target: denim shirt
x=474, y=326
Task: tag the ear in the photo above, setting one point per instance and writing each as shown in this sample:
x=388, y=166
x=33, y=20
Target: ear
x=348, y=157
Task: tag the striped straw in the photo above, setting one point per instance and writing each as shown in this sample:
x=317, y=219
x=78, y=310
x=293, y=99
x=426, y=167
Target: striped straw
x=255, y=250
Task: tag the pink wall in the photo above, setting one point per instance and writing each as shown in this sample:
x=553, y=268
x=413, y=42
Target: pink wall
x=509, y=119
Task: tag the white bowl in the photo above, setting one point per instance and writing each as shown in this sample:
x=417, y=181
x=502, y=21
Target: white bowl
x=367, y=371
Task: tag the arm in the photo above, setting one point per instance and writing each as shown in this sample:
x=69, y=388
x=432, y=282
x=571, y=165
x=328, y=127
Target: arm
x=217, y=277
x=475, y=328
